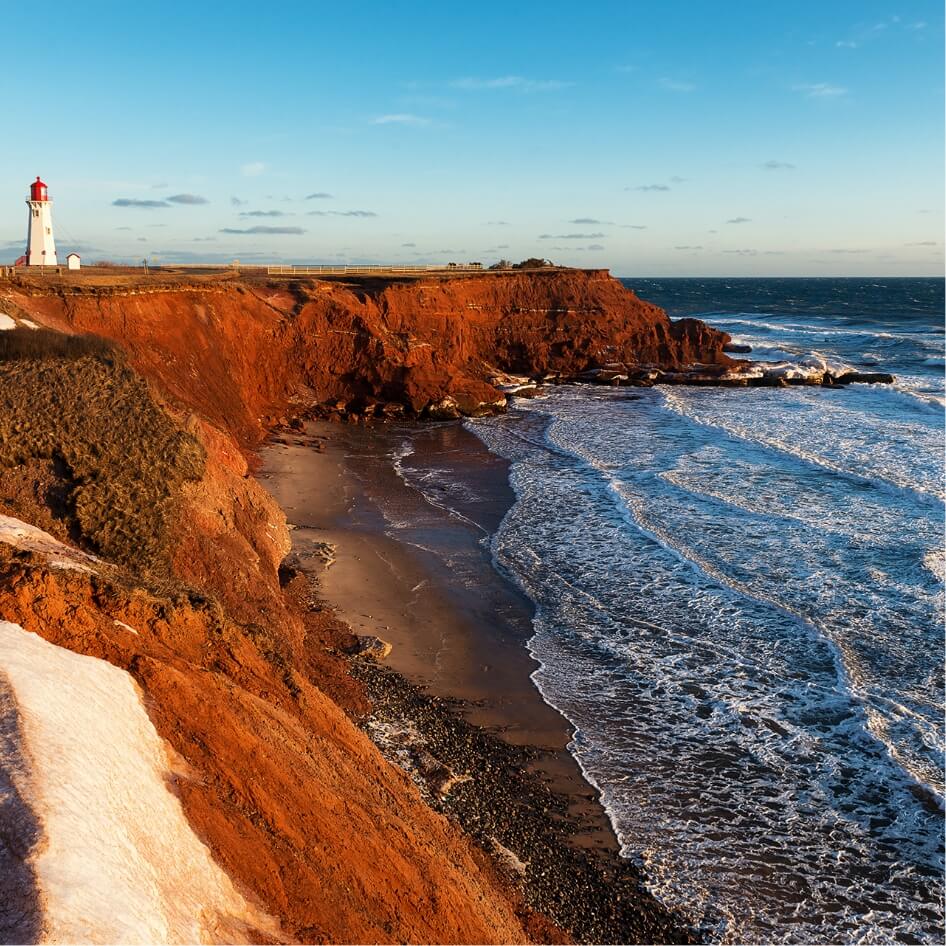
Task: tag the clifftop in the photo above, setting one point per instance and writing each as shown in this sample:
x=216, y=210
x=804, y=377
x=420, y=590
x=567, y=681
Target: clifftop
x=241, y=349
x=132, y=535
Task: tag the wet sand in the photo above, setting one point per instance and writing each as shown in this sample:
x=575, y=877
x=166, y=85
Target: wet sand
x=405, y=514
x=458, y=628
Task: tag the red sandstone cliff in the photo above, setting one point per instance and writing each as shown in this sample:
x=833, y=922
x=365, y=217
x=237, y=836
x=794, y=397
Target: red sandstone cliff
x=243, y=350
x=240, y=679
x=237, y=669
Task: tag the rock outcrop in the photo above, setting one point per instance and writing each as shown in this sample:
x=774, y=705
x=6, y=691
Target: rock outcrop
x=240, y=674
x=246, y=351
x=239, y=668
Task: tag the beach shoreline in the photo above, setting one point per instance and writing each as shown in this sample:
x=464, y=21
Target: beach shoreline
x=456, y=690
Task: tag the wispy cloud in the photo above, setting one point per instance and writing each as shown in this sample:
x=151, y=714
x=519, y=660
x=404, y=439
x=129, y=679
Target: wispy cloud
x=341, y=213
x=677, y=180
x=237, y=202
x=497, y=223
x=820, y=90
x=253, y=169
x=400, y=118
x=773, y=165
x=649, y=187
x=923, y=243
x=626, y=68
x=632, y=226
x=294, y=231
x=187, y=199
x=742, y=252
x=571, y=236
x=739, y=220
x=408, y=244
x=848, y=251
x=516, y=83
x=263, y=213
x=319, y=195
x=578, y=249
x=592, y=221
x=676, y=85
x=135, y=202
x=865, y=33
x=688, y=247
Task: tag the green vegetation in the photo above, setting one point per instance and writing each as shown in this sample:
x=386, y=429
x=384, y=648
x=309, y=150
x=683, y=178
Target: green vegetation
x=69, y=404
x=533, y=262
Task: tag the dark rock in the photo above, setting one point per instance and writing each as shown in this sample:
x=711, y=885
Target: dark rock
x=865, y=377
x=734, y=349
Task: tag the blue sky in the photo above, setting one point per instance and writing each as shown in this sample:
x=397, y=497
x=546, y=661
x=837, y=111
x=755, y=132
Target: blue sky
x=663, y=138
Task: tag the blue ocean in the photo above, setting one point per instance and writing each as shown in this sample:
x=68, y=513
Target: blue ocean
x=739, y=606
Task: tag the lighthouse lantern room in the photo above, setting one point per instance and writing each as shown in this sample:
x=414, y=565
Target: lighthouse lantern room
x=40, y=246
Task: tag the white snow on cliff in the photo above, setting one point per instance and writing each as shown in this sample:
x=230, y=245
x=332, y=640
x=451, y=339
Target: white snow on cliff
x=22, y=535
x=118, y=862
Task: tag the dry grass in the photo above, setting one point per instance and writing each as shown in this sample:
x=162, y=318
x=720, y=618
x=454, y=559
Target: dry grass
x=119, y=459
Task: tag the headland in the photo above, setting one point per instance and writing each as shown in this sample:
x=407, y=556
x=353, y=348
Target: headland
x=133, y=532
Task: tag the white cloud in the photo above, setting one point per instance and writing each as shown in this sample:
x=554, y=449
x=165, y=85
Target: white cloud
x=675, y=85
x=820, y=90
x=401, y=118
x=519, y=83
x=253, y=169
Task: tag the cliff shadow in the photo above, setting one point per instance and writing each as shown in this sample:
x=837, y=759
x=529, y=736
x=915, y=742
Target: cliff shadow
x=21, y=917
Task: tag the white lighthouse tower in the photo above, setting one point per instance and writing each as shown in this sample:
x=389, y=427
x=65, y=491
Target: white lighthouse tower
x=40, y=246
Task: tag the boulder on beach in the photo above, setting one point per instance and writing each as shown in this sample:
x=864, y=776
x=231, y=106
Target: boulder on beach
x=370, y=647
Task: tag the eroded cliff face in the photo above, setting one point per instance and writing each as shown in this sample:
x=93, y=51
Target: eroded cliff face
x=319, y=839
x=235, y=659
x=244, y=351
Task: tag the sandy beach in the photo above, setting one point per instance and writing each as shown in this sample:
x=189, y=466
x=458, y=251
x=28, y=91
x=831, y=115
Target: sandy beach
x=460, y=637
x=418, y=574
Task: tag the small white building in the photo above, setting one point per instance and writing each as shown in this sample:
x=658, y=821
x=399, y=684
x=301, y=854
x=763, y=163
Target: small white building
x=73, y=261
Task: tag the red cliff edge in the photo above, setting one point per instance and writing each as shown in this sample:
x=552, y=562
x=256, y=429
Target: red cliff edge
x=235, y=659
x=242, y=351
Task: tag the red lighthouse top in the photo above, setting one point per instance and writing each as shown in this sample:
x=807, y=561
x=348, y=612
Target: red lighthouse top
x=38, y=190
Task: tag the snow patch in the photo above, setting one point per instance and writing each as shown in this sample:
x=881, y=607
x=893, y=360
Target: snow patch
x=28, y=323
x=22, y=535
x=127, y=627
x=118, y=862
x=6, y=322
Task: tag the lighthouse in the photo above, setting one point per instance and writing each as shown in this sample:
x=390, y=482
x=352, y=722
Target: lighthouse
x=40, y=246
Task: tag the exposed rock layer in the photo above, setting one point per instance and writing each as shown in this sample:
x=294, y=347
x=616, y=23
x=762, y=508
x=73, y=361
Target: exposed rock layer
x=237, y=662
x=244, y=351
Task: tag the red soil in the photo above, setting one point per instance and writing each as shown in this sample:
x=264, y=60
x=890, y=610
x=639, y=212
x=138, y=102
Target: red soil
x=294, y=800
x=242, y=353
x=241, y=677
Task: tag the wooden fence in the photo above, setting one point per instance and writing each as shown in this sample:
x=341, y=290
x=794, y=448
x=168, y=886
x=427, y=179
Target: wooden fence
x=369, y=269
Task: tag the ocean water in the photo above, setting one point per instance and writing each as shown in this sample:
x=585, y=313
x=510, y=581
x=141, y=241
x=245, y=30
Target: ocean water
x=739, y=607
